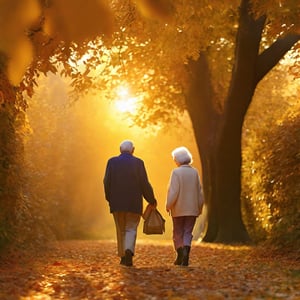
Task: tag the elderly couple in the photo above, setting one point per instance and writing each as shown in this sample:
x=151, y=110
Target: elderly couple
x=126, y=184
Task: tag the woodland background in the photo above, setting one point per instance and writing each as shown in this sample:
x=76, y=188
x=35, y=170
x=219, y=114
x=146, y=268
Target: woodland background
x=59, y=125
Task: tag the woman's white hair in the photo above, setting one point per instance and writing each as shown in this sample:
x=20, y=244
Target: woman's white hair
x=126, y=146
x=182, y=155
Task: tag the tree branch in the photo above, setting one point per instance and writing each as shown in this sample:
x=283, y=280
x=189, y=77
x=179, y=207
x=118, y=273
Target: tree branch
x=272, y=55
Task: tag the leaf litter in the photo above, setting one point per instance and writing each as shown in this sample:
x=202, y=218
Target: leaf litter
x=91, y=270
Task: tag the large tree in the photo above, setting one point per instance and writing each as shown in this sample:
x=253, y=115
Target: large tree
x=221, y=157
x=226, y=49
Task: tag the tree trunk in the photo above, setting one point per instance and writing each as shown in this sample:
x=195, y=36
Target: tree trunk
x=221, y=158
x=229, y=158
x=204, y=118
x=231, y=228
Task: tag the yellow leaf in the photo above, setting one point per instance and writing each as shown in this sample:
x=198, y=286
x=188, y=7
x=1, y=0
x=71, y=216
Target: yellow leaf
x=20, y=59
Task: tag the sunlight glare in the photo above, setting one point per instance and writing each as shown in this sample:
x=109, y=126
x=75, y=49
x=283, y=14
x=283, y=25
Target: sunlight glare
x=128, y=105
x=125, y=103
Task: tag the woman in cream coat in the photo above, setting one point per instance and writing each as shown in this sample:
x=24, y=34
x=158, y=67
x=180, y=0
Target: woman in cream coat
x=184, y=202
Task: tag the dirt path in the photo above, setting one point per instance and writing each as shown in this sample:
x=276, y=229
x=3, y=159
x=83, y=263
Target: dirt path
x=91, y=270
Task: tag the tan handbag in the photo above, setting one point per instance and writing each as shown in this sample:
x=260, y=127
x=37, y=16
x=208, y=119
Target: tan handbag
x=154, y=223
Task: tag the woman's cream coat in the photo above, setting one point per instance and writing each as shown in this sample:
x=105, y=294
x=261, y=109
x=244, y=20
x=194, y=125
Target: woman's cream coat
x=185, y=196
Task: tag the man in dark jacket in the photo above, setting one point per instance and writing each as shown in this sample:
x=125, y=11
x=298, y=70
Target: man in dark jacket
x=125, y=185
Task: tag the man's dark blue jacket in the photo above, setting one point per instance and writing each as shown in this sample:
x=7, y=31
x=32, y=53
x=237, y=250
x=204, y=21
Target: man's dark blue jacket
x=126, y=184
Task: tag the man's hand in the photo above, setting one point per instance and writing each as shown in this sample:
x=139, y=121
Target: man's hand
x=154, y=205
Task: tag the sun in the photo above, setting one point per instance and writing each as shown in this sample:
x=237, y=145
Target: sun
x=125, y=103
x=128, y=105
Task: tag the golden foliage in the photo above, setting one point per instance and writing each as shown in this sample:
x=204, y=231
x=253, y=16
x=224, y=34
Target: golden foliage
x=271, y=165
x=68, y=21
x=282, y=15
x=12, y=116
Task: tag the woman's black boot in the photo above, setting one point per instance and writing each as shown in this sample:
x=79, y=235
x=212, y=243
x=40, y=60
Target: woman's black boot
x=185, y=255
x=128, y=258
x=178, y=260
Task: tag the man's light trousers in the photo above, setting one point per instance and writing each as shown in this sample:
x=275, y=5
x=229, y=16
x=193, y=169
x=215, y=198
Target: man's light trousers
x=126, y=228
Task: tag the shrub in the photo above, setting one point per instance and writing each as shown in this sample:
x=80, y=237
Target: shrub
x=271, y=183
